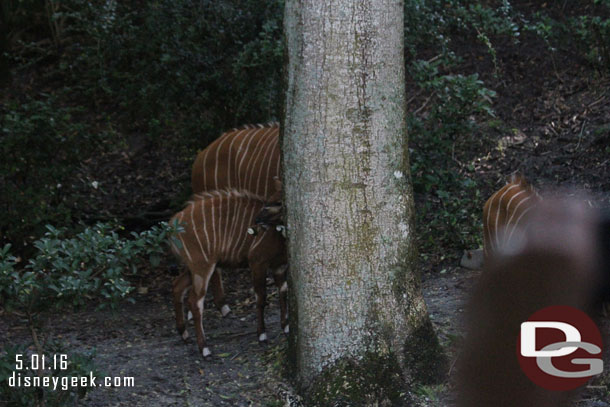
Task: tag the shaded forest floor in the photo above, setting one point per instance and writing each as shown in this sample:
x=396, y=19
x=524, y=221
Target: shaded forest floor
x=140, y=341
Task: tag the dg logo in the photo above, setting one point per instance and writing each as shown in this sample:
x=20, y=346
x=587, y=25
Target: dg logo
x=560, y=348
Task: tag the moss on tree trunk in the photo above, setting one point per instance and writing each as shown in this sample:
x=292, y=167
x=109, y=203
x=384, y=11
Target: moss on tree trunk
x=359, y=326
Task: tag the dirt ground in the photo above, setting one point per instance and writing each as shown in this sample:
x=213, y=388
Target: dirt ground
x=140, y=341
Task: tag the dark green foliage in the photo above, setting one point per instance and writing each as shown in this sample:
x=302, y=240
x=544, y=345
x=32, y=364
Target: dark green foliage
x=451, y=212
x=68, y=271
x=434, y=23
x=41, y=142
x=453, y=106
x=177, y=72
x=585, y=31
x=192, y=66
x=458, y=99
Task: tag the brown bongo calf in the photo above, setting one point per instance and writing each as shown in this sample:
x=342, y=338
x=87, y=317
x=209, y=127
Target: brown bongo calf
x=216, y=232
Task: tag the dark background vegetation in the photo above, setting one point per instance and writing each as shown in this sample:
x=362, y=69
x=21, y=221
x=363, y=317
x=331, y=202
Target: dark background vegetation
x=104, y=105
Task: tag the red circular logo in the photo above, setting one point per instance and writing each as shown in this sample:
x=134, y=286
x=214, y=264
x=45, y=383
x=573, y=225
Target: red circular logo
x=560, y=348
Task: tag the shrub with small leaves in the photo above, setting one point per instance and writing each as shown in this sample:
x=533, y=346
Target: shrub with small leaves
x=585, y=31
x=69, y=271
x=455, y=99
x=196, y=67
x=450, y=214
x=431, y=24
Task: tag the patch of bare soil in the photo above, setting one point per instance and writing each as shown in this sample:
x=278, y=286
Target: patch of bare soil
x=140, y=341
x=556, y=109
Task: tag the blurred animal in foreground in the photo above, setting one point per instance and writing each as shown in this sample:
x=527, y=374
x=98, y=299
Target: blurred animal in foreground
x=560, y=258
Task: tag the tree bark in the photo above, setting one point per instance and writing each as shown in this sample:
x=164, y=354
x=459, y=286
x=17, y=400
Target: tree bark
x=357, y=310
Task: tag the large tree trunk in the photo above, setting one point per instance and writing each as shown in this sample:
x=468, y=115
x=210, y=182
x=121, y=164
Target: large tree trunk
x=357, y=312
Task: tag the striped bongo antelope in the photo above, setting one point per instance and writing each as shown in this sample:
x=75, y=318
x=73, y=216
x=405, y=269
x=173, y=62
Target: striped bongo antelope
x=246, y=158
x=505, y=211
x=216, y=232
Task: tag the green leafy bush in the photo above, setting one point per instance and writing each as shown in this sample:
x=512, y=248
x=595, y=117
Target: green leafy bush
x=68, y=271
x=451, y=211
x=176, y=73
x=592, y=33
x=455, y=99
x=453, y=106
x=433, y=23
x=585, y=31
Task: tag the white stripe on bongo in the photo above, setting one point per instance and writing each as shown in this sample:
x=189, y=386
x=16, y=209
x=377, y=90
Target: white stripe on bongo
x=218, y=223
x=251, y=157
x=257, y=241
x=244, y=155
x=194, y=226
x=266, y=158
x=227, y=204
x=254, y=159
x=268, y=177
x=219, y=148
x=240, y=151
x=235, y=237
x=242, y=233
x=512, y=214
x=222, y=140
x=235, y=219
x=205, y=227
x=186, y=250
x=514, y=226
x=498, y=210
x=229, y=156
x=487, y=220
x=512, y=198
x=213, y=245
